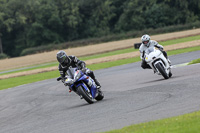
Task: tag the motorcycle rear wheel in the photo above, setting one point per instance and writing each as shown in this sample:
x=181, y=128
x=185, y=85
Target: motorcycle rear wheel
x=100, y=96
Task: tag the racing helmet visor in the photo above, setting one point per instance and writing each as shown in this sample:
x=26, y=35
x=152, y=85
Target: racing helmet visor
x=145, y=42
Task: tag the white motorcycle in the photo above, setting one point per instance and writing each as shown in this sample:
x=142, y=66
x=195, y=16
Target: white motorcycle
x=158, y=62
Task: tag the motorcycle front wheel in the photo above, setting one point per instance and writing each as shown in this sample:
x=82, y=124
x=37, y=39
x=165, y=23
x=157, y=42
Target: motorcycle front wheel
x=85, y=94
x=162, y=70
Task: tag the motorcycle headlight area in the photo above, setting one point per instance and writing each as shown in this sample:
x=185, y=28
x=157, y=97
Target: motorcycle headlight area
x=69, y=81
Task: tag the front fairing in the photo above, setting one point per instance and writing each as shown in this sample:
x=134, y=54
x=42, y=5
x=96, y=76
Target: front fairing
x=155, y=56
x=83, y=80
x=91, y=86
x=152, y=55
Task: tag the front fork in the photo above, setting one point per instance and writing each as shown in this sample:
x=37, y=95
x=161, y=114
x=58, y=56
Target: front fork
x=162, y=58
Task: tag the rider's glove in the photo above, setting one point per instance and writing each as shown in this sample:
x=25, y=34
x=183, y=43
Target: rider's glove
x=83, y=70
x=81, y=65
x=59, y=78
x=160, y=48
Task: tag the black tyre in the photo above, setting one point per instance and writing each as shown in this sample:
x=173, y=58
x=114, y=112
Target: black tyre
x=100, y=95
x=162, y=70
x=170, y=73
x=86, y=95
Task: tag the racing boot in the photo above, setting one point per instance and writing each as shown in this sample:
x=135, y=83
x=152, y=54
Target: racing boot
x=91, y=74
x=97, y=83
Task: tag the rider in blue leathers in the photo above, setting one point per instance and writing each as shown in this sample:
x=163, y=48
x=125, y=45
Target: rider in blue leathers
x=66, y=62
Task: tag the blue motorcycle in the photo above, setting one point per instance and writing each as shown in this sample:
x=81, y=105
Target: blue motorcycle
x=83, y=85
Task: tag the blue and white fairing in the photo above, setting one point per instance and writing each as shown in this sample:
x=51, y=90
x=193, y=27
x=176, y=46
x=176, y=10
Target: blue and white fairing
x=80, y=76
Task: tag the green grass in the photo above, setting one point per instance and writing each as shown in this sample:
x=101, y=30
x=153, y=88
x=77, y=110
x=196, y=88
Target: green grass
x=188, y=123
x=12, y=82
x=109, y=54
x=185, y=50
x=164, y=43
x=181, y=40
x=46, y=65
x=194, y=62
x=16, y=81
x=113, y=63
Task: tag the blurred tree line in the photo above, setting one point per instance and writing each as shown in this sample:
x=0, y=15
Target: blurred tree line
x=32, y=23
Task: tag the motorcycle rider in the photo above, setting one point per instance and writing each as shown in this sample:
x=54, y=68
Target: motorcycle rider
x=66, y=62
x=146, y=43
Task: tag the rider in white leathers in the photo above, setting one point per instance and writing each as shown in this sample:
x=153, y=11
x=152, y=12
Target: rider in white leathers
x=146, y=43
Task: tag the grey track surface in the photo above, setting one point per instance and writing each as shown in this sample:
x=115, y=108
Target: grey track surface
x=132, y=95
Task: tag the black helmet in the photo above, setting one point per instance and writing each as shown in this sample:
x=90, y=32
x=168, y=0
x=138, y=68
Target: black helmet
x=62, y=58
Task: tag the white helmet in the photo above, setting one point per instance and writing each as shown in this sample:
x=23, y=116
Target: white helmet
x=146, y=40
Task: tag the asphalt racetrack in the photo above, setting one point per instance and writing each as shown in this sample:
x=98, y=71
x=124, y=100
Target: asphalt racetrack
x=132, y=95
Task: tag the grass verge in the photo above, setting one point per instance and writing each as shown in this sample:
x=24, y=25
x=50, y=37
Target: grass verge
x=164, y=43
x=46, y=65
x=185, y=50
x=188, y=123
x=12, y=82
x=194, y=62
x=181, y=40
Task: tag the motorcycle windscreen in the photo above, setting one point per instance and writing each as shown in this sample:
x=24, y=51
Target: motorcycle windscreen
x=71, y=72
x=149, y=50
